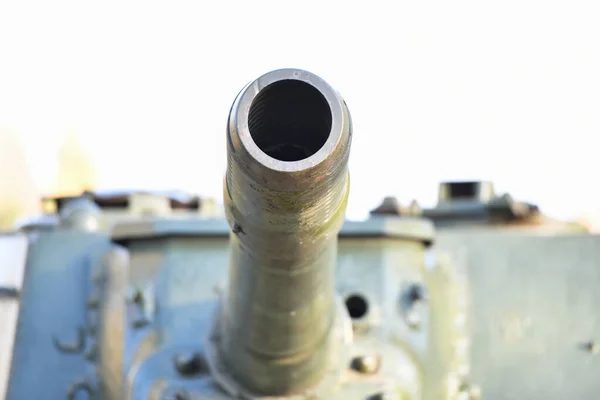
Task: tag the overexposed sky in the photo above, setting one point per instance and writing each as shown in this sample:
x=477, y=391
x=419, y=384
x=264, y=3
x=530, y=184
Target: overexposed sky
x=507, y=91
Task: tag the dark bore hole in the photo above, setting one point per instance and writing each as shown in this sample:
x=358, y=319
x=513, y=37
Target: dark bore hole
x=463, y=190
x=290, y=120
x=357, y=306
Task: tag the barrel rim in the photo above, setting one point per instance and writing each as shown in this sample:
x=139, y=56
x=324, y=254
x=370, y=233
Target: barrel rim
x=241, y=131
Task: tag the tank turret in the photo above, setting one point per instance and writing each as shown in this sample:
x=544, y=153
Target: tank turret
x=152, y=296
x=156, y=299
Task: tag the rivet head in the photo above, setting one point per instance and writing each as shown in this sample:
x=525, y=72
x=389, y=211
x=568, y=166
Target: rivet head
x=413, y=319
x=80, y=390
x=590, y=346
x=387, y=395
x=415, y=293
x=366, y=364
x=237, y=228
x=413, y=300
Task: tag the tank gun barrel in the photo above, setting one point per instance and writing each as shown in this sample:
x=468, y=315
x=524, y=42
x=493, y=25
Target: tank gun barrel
x=286, y=190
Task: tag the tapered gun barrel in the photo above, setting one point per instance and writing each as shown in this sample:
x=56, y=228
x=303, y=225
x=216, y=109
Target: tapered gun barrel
x=286, y=190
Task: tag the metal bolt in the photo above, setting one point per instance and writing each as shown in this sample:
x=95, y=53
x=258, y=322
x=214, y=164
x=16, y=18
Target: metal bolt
x=413, y=319
x=141, y=314
x=135, y=295
x=237, y=228
x=591, y=347
x=189, y=363
x=383, y=396
x=414, y=296
x=366, y=364
x=80, y=390
x=415, y=293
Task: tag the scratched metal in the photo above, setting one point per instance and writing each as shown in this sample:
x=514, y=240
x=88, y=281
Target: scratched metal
x=534, y=312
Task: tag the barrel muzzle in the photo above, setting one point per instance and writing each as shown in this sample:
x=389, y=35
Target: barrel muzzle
x=286, y=190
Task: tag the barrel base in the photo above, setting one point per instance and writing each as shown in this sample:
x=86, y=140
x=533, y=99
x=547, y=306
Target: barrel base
x=340, y=356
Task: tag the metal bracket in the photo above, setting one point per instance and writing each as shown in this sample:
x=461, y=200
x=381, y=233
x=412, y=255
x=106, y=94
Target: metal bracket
x=13, y=261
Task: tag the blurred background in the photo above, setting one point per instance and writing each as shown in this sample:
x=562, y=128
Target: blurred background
x=135, y=95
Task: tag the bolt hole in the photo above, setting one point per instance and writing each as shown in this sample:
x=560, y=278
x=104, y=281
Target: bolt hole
x=357, y=306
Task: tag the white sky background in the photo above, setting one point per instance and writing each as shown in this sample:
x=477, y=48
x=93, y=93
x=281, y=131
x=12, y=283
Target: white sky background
x=507, y=91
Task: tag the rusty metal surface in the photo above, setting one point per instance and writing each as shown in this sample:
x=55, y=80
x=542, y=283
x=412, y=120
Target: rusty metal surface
x=285, y=195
